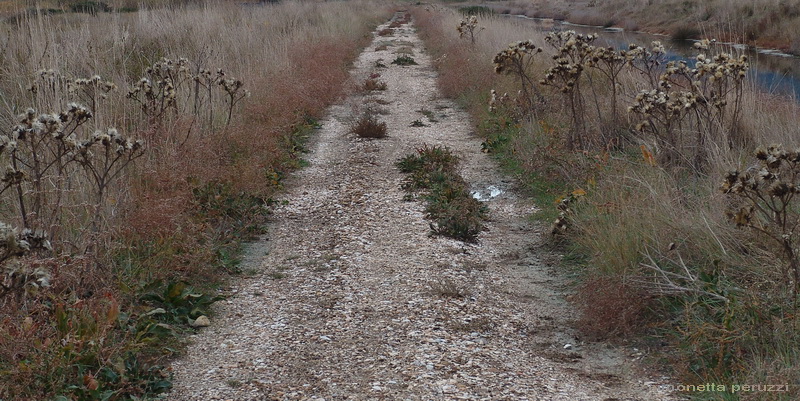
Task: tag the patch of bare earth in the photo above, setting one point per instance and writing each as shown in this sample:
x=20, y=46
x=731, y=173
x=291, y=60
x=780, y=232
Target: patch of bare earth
x=349, y=298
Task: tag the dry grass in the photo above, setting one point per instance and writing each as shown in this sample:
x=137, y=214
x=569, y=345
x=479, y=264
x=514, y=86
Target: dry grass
x=367, y=126
x=179, y=212
x=617, y=309
x=637, y=214
x=767, y=23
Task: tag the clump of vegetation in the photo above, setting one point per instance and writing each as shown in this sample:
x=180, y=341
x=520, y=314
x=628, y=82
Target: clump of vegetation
x=89, y=7
x=450, y=206
x=476, y=10
x=404, y=60
x=372, y=84
x=517, y=60
x=468, y=27
x=449, y=288
x=176, y=302
x=386, y=32
x=765, y=202
x=430, y=115
x=367, y=126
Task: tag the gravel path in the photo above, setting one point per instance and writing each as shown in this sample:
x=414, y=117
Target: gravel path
x=349, y=298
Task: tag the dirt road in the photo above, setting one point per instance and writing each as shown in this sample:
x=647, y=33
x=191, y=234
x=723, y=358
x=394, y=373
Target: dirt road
x=349, y=298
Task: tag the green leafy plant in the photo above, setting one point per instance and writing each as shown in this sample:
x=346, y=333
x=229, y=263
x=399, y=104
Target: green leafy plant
x=404, y=60
x=128, y=380
x=177, y=302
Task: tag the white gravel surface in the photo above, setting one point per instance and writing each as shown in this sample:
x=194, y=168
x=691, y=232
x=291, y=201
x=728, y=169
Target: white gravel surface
x=351, y=299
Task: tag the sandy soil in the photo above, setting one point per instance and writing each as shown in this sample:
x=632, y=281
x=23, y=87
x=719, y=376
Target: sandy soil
x=349, y=298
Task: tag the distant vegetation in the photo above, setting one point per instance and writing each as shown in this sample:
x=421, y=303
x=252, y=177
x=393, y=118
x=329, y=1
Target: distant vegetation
x=663, y=183
x=766, y=23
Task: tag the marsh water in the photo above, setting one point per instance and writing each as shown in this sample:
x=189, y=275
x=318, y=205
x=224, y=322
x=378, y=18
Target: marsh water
x=771, y=71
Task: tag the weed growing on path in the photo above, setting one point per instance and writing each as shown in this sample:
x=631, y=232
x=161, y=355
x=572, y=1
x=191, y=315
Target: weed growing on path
x=450, y=206
x=368, y=126
x=372, y=84
x=404, y=60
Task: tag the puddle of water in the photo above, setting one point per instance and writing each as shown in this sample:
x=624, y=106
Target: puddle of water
x=487, y=194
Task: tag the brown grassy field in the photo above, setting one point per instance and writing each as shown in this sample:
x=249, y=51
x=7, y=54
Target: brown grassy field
x=143, y=147
x=645, y=228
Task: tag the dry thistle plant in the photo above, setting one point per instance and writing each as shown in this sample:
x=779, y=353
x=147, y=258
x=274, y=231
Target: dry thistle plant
x=113, y=153
x=50, y=155
x=38, y=151
x=497, y=103
x=20, y=276
x=706, y=100
x=562, y=223
x=50, y=87
x=663, y=114
x=610, y=64
x=469, y=27
x=166, y=91
x=157, y=92
x=573, y=51
x=765, y=201
x=516, y=60
x=646, y=61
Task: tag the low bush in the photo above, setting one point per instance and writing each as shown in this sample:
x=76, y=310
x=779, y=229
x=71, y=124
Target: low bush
x=367, y=126
x=372, y=84
x=475, y=10
x=89, y=7
x=449, y=204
